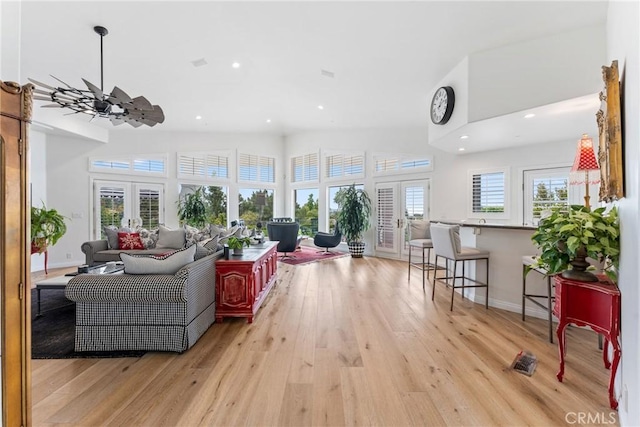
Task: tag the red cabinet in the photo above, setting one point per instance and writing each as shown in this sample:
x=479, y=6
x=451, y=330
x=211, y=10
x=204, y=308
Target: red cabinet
x=593, y=304
x=244, y=281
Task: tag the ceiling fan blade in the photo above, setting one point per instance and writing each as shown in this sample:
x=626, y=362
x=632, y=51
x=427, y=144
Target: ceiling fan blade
x=121, y=96
x=141, y=103
x=116, y=121
x=41, y=84
x=97, y=92
x=42, y=98
x=42, y=92
x=52, y=105
x=61, y=81
x=133, y=122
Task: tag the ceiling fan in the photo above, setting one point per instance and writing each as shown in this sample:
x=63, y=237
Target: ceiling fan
x=116, y=106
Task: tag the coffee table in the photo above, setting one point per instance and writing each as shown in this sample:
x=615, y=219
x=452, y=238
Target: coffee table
x=60, y=282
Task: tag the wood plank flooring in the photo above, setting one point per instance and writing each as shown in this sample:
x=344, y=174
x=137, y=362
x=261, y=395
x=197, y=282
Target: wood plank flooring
x=339, y=342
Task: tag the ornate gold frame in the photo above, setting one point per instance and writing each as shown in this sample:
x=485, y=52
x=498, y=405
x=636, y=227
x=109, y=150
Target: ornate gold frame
x=610, y=137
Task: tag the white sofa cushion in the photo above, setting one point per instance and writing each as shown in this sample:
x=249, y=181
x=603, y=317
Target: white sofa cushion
x=150, y=264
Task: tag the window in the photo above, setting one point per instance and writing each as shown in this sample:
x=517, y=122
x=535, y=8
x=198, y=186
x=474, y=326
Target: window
x=209, y=166
x=256, y=205
x=341, y=165
x=384, y=164
x=332, y=208
x=215, y=201
x=544, y=189
x=304, y=168
x=148, y=165
x=489, y=193
x=306, y=209
x=254, y=168
x=127, y=204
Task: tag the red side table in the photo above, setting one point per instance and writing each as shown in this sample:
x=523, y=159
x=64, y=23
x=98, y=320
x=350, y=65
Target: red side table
x=593, y=304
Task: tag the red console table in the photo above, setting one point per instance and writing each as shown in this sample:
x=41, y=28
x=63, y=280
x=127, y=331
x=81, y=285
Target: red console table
x=244, y=281
x=593, y=304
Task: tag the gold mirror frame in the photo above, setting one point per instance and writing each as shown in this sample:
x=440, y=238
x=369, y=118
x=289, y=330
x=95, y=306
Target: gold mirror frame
x=609, y=120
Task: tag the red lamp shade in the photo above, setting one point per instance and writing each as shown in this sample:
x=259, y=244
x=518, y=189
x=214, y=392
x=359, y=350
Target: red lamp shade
x=585, y=166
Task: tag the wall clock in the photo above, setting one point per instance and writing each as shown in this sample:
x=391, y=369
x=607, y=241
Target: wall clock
x=442, y=105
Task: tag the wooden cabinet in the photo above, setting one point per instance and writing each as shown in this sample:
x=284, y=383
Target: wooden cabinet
x=243, y=282
x=592, y=304
x=15, y=310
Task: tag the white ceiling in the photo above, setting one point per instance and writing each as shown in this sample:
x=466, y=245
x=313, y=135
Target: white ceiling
x=386, y=57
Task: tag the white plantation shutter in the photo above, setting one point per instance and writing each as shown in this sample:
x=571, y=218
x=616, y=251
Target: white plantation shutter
x=203, y=165
x=344, y=165
x=488, y=192
x=112, y=205
x=385, y=229
x=254, y=168
x=304, y=168
x=401, y=164
x=149, y=165
x=111, y=165
x=414, y=202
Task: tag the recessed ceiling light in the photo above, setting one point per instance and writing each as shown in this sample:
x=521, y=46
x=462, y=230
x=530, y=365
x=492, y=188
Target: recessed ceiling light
x=198, y=117
x=528, y=116
x=461, y=149
x=268, y=120
x=236, y=65
x=320, y=107
x=464, y=137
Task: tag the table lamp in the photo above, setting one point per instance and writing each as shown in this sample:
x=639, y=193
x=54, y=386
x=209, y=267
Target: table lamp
x=585, y=169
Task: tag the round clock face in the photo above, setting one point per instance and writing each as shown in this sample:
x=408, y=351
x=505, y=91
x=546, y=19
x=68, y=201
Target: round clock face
x=442, y=105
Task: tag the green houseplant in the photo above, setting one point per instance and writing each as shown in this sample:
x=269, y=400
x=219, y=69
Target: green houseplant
x=47, y=227
x=353, y=217
x=238, y=243
x=191, y=208
x=566, y=238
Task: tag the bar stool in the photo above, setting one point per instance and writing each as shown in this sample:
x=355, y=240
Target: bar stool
x=420, y=238
x=446, y=244
x=528, y=260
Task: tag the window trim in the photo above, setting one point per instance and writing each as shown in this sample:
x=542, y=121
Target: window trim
x=506, y=214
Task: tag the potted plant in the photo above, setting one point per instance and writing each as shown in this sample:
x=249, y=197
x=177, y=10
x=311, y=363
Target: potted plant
x=566, y=239
x=238, y=243
x=47, y=227
x=353, y=217
x=191, y=208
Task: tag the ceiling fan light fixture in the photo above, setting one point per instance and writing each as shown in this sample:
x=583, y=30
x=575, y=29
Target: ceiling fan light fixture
x=117, y=106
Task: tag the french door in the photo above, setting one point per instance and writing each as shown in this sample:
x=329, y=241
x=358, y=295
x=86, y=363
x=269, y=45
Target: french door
x=127, y=203
x=396, y=204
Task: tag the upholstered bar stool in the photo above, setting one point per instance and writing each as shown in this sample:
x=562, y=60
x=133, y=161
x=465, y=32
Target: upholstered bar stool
x=420, y=238
x=446, y=244
x=528, y=260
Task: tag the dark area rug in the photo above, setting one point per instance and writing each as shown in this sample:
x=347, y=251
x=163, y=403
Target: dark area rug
x=53, y=333
x=308, y=254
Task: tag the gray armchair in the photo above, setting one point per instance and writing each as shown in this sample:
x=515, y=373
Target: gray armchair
x=328, y=240
x=286, y=233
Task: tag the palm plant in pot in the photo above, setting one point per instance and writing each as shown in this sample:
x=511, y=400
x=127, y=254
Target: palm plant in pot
x=353, y=217
x=566, y=239
x=47, y=227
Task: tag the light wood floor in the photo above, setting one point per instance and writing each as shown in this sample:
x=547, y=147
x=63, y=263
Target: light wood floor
x=340, y=342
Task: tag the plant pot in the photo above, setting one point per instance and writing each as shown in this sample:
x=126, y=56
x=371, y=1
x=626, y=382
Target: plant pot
x=356, y=249
x=238, y=251
x=579, y=266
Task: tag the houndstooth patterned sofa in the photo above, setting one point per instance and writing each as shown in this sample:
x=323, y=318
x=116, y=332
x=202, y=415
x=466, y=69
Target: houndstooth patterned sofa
x=144, y=312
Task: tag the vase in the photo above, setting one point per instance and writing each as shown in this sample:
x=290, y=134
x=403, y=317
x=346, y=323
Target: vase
x=238, y=251
x=579, y=266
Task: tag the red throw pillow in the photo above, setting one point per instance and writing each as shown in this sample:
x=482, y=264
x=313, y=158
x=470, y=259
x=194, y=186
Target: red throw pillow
x=129, y=241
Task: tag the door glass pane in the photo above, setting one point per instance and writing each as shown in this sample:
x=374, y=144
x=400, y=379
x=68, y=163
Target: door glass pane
x=385, y=226
x=149, y=207
x=414, y=208
x=112, y=205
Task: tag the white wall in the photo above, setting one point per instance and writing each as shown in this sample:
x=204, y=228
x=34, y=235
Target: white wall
x=623, y=44
x=38, y=180
x=69, y=182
